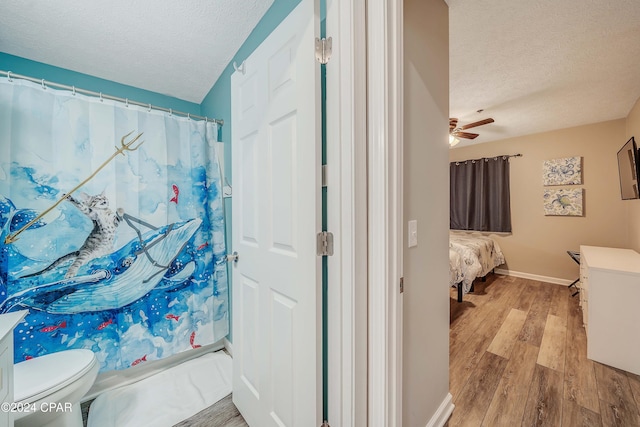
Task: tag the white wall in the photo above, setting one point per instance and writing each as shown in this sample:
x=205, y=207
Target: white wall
x=426, y=199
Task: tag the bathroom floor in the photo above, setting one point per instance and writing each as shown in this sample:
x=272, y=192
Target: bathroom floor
x=221, y=414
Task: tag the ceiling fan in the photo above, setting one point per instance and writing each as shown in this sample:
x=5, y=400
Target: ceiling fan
x=456, y=131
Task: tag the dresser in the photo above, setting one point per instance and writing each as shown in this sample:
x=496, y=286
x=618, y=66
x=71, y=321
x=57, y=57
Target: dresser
x=610, y=300
x=7, y=323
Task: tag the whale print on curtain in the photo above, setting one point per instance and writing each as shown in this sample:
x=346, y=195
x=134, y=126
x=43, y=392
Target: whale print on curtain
x=125, y=259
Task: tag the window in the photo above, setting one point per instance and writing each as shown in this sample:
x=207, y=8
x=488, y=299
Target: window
x=479, y=195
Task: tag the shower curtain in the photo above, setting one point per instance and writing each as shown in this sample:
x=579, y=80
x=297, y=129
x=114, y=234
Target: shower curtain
x=113, y=241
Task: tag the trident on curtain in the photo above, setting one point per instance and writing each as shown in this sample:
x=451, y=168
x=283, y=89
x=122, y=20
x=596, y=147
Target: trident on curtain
x=119, y=150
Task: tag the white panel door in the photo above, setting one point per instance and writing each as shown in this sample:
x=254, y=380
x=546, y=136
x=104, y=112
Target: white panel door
x=276, y=214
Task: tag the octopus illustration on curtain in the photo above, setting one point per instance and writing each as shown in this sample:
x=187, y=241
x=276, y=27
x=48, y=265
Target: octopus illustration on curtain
x=120, y=251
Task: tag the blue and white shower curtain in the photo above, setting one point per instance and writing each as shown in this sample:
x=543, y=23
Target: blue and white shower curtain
x=125, y=259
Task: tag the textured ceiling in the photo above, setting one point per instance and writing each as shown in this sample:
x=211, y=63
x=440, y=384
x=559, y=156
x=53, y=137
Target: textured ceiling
x=533, y=65
x=541, y=65
x=176, y=48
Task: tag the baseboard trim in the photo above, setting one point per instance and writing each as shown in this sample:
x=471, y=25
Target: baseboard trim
x=547, y=279
x=228, y=345
x=440, y=418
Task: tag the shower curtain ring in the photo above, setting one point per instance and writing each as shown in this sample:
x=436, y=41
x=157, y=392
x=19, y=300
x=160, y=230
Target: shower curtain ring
x=188, y=116
x=43, y=85
x=126, y=102
x=9, y=76
x=101, y=100
x=149, y=107
x=73, y=90
x=170, y=112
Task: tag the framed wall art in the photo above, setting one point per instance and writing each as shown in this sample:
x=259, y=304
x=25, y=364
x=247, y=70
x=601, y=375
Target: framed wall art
x=564, y=171
x=563, y=202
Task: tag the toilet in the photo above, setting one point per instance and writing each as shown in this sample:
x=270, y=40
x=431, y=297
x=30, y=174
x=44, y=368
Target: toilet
x=53, y=385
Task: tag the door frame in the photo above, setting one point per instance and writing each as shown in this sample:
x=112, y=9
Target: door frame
x=385, y=176
x=364, y=175
x=347, y=213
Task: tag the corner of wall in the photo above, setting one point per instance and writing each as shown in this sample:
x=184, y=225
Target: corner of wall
x=632, y=128
x=425, y=378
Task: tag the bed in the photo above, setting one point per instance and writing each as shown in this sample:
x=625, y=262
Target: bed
x=471, y=256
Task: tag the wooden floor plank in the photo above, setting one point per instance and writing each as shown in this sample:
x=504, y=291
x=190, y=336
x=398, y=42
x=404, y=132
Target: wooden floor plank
x=575, y=415
x=544, y=404
x=634, y=382
x=222, y=414
x=586, y=394
x=552, y=347
x=529, y=294
x=469, y=349
x=509, y=300
x=480, y=388
x=507, y=407
x=483, y=308
x=534, y=326
x=457, y=339
x=617, y=405
x=466, y=361
x=560, y=301
x=502, y=343
x=580, y=378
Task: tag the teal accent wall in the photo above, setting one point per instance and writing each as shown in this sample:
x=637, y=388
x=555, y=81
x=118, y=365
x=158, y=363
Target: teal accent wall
x=217, y=103
x=39, y=70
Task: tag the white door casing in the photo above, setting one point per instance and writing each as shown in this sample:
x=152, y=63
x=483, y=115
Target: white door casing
x=385, y=214
x=346, y=111
x=276, y=214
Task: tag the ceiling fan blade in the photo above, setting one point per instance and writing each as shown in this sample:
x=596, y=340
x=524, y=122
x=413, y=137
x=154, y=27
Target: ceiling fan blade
x=479, y=123
x=466, y=135
x=452, y=124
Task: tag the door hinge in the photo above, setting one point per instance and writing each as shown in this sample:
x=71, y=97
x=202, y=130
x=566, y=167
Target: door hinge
x=401, y=284
x=323, y=50
x=324, y=175
x=324, y=242
x=325, y=424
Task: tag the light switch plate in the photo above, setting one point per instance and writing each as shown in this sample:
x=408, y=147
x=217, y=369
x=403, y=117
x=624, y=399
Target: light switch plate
x=413, y=233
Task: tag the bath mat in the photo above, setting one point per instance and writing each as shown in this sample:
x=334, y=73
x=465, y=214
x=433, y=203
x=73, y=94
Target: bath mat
x=166, y=398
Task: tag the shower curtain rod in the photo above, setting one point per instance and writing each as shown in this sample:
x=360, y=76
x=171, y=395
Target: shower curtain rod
x=100, y=95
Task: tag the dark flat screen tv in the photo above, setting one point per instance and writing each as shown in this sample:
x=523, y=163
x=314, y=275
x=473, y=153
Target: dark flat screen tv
x=629, y=169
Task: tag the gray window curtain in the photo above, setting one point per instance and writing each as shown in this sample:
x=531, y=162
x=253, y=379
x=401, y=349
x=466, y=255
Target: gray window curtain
x=479, y=195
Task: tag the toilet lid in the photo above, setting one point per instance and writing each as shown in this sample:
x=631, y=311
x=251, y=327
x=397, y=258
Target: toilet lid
x=50, y=373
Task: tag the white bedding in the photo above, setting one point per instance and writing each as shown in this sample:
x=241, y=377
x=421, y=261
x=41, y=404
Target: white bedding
x=479, y=255
x=455, y=268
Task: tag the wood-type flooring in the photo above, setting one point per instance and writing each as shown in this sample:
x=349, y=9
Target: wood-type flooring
x=518, y=357
x=221, y=414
